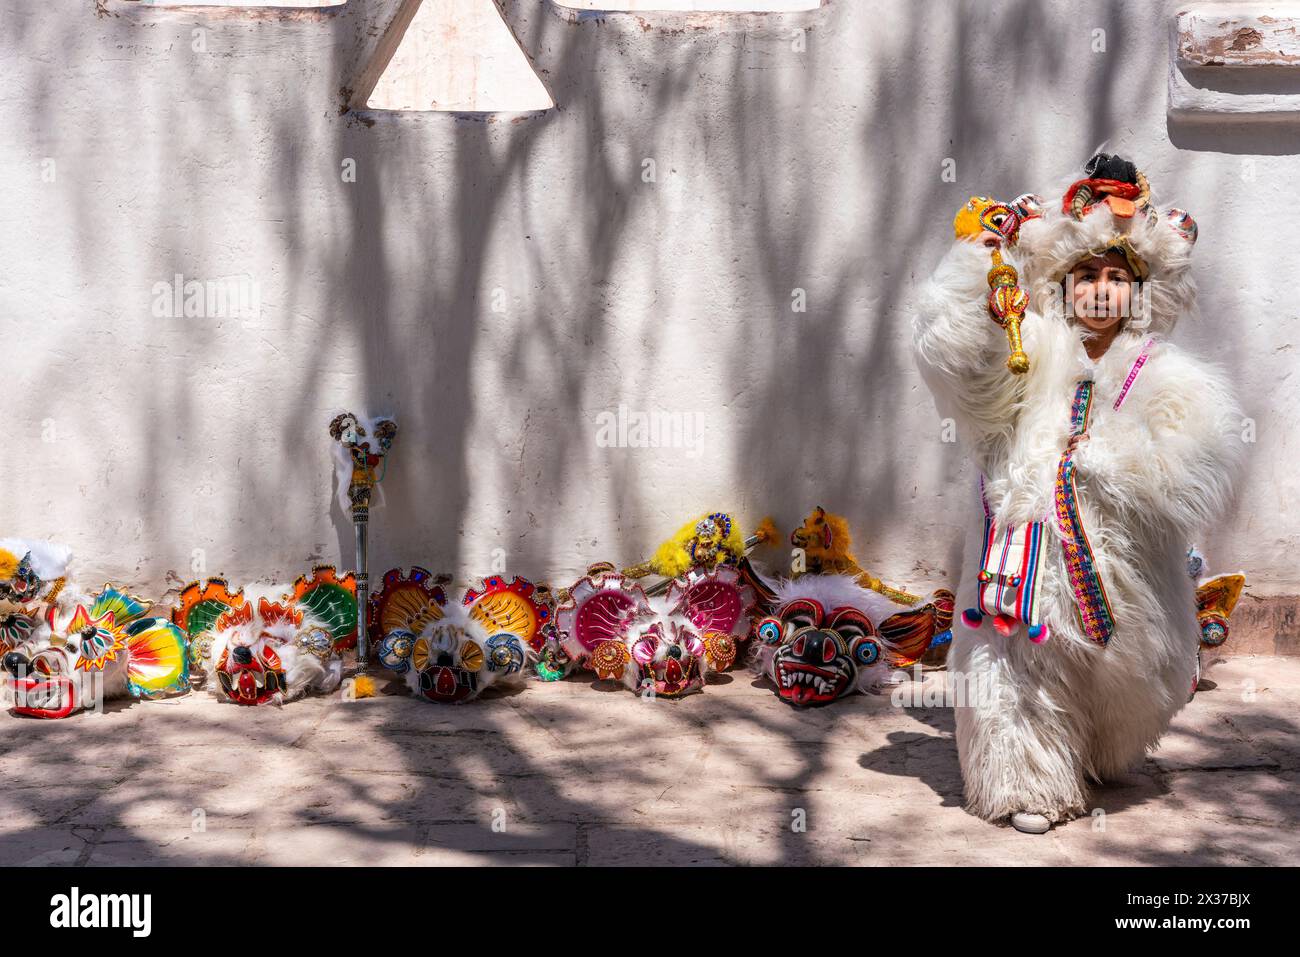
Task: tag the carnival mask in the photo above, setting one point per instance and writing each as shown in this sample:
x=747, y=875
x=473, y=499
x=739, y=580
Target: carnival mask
x=553, y=662
x=446, y=661
x=666, y=655
x=17, y=626
x=665, y=643
x=271, y=649
x=825, y=640
x=31, y=571
x=251, y=674
x=1215, y=601
x=453, y=654
x=106, y=651
x=24, y=582
x=818, y=655
x=42, y=688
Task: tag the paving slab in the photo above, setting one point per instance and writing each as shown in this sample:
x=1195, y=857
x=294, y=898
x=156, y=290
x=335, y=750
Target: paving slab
x=586, y=772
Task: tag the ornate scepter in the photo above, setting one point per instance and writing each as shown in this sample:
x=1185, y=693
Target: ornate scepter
x=998, y=225
x=348, y=431
x=1007, y=305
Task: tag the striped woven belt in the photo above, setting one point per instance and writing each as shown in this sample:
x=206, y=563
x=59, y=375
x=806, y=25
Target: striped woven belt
x=1089, y=591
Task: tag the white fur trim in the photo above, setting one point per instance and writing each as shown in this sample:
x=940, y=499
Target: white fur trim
x=837, y=591
x=49, y=560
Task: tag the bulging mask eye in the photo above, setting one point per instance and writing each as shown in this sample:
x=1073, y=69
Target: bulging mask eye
x=866, y=651
x=644, y=649
x=769, y=631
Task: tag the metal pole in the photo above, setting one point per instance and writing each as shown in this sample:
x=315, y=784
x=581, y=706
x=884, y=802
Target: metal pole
x=361, y=521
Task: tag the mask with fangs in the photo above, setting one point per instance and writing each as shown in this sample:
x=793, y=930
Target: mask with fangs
x=830, y=637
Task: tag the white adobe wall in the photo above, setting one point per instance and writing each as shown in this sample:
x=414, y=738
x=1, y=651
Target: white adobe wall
x=139, y=440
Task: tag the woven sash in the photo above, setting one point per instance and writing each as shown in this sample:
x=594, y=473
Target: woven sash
x=1095, y=614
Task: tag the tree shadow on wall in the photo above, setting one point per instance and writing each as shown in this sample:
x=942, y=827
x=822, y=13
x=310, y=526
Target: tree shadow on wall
x=776, y=174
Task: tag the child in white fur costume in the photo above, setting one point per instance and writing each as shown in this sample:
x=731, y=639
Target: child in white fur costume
x=1070, y=706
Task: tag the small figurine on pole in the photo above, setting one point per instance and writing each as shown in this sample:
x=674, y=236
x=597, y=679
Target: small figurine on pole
x=366, y=444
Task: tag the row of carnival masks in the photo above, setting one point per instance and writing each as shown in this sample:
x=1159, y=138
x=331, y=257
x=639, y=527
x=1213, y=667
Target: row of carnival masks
x=816, y=637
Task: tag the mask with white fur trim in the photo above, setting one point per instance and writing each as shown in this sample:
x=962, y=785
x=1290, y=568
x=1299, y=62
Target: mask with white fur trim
x=664, y=643
x=106, y=648
x=273, y=646
x=1112, y=208
x=452, y=654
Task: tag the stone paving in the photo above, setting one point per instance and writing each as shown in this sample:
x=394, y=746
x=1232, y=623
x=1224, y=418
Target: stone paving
x=585, y=772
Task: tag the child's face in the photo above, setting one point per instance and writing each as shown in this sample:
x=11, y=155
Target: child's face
x=1102, y=291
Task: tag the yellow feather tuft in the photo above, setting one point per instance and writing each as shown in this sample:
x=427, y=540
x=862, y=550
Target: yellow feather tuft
x=363, y=686
x=767, y=533
x=673, y=557
x=8, y=564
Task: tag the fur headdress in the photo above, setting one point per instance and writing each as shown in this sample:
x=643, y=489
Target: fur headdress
x=1112, y=208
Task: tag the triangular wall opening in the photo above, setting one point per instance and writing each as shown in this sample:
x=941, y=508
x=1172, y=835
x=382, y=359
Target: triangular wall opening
x=457, y=56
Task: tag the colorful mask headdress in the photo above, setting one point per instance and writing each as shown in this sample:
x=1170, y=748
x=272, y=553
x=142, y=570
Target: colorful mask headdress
x=453, y=653
x=665, y=643
x=107, y=650
x=827, y=550
x=830, y=637
x=32, y=576
x=703, y=544
x=706, y=542
x=271, y=648
x=1215, y=600
x=31, y=572
x=1112, y=209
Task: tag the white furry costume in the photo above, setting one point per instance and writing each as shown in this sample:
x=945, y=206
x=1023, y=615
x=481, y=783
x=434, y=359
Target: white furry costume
x=1150, y=477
